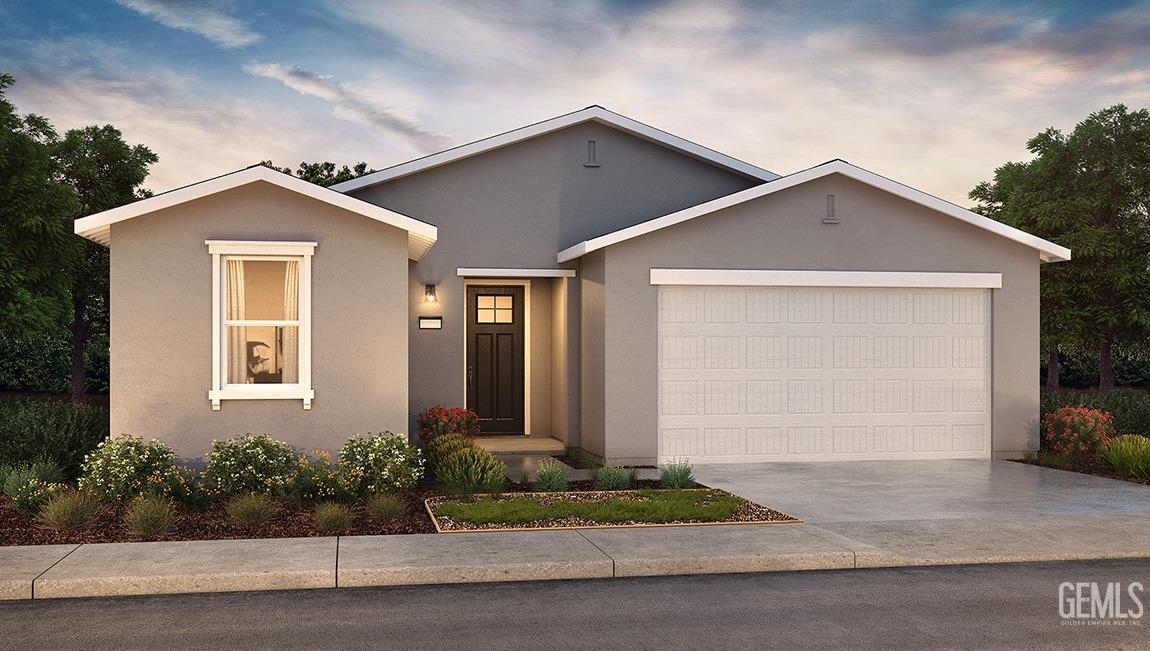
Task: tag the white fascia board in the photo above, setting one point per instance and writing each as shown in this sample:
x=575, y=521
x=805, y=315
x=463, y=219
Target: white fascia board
x=251, y=247
x=421, y=235
x=593, y=113
x=491, y=272
x=1047, y=251
x=798, y=278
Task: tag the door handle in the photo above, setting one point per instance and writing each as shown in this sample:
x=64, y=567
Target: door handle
x=468, y=377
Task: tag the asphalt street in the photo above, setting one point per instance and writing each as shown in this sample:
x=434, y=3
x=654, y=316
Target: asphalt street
x=988, y=606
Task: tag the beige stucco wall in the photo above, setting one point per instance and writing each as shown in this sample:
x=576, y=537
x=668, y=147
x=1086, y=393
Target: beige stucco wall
x=878, y=232
x=517, y=207
x=592, y=350
x=161, y=322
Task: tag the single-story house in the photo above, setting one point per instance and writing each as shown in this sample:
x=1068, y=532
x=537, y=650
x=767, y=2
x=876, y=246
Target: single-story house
x=589, y=279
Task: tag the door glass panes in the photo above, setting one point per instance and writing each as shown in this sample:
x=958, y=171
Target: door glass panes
x=495, y=309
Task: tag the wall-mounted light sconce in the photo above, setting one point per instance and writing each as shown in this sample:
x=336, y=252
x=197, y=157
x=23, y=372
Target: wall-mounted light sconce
x=429, y=294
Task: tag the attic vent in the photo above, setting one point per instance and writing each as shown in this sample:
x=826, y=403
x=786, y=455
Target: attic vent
x=591, y=162
x=830, y=218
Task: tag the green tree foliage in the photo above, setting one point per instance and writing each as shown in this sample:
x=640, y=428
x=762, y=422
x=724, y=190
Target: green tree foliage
x=35, y=226
x=104, y=172
x=325, y=174
x=1088, y=190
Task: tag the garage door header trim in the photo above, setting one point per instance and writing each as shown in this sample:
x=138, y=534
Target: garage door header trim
x=793, y=278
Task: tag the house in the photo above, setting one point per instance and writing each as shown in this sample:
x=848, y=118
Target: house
x=587, y=278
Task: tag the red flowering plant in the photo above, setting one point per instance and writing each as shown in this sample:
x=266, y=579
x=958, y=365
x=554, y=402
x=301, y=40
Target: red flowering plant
x=1077, y=432
x=440, y=420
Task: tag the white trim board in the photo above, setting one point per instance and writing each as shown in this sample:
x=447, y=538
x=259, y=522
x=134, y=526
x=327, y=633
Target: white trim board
x=792, y=278
x=1047, y=251
x=589, y=114
x=489, y=272
x=420, y=235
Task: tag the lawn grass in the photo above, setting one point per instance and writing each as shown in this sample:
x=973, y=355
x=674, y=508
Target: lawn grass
x=646, y=506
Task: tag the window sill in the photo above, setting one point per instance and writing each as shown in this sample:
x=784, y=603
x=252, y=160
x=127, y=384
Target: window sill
x=262, y=392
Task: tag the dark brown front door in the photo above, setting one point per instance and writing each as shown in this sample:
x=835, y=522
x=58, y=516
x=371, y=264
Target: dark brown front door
x=495, y=357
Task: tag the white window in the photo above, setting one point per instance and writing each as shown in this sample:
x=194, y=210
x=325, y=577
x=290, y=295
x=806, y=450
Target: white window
x=261, y=321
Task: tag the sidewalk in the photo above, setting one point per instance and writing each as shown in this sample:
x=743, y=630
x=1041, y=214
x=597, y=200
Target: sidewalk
x=108, y=569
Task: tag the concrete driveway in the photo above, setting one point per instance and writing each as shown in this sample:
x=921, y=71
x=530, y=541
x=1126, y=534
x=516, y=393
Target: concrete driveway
x=870, y=491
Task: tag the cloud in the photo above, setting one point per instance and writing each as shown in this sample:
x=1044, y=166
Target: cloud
x=206, y=19
x=350, y=105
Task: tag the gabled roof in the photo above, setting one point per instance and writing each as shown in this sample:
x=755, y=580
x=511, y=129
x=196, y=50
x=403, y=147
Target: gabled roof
x=589, y=114
x=1047, y=251
x=420, y=235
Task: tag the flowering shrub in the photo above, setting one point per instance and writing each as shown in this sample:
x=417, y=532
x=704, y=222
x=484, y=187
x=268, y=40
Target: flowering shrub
x=126, y=466
x=380, y=464
x=1077, y=432
x=251, y=464
x=440, y=420
x=32, y=493
x=317, y=479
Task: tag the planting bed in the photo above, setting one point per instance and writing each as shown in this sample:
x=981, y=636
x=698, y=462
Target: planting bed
x=292, y=520
x=1094, y=467
x=585, y=509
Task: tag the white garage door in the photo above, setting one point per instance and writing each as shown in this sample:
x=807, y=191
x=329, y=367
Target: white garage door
x=823, y=373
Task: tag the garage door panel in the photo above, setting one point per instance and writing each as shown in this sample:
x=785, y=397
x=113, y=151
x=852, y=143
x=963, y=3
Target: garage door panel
x=823, y=373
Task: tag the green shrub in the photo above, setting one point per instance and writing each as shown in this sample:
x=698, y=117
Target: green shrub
x=1077, y=432
x=440, y=421
x=437, y=451
x=1129, y=455
x=123, y=467
x=149, y=516
x=317, y=479
x=69, y=510
x=5, y=470
x=60, y=432
x=331, y=516
x=29, y=493
x=251, y=464
x=676, y=474
x=551, y=477
x=472, y=470
x=252, y=509
x=183, y=486
x=384, y=506
x=1130, y=408
x=613, y=478
x=380, y=464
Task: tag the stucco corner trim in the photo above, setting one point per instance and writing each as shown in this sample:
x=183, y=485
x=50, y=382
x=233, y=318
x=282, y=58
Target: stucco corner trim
x=797, y=278
x=492, y=272
x=1047, y=251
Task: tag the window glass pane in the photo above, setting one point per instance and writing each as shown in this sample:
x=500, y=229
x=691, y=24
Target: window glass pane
x=263, y=289
x=263, y=354
x=503, y=302
x=503, y=316
x=486, y=301
x=486, y=316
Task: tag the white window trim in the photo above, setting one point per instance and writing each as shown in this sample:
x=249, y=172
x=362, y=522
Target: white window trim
x=259, y=250
x=792, y=278
x=490, y=272
x=526, y=285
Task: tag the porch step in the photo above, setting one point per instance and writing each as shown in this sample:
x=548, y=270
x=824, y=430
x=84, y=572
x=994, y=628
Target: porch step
x=543, y=445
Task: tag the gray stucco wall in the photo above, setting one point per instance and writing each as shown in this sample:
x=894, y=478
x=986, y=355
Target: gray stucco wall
x=879, y=232
x=517, y=207
x=592, y=351
x=161, y=322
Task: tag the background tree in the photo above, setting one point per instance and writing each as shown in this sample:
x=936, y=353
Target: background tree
x=104, y=172
x=1088, y=191
x=325, y=174
x=35, y=226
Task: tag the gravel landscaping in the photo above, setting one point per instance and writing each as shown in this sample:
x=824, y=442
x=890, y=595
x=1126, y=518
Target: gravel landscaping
x=580, y=509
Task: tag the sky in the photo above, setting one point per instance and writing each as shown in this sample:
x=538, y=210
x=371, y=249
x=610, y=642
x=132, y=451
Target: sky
x=933, y=94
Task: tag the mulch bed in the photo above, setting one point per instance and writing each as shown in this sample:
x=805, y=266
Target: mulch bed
x=292, y=521
x=1086, y=468
x=747, y=512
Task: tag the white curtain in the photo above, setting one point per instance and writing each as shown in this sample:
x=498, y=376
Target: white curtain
x=290, y=353
x=237, y=335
